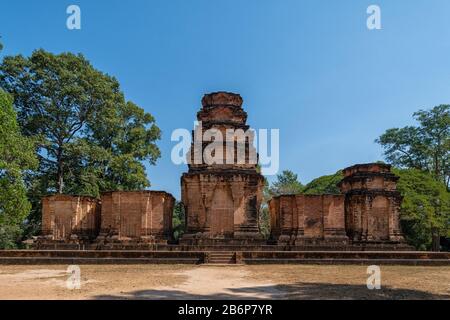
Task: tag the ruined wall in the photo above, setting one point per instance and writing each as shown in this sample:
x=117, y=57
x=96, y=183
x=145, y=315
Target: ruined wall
x=368, y=211
x=302, y=219
x=67, y=217
x=136, y=215
x=372, y=203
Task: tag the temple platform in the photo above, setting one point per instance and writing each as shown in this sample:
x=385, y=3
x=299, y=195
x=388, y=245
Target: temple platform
x=265, y=255
x=221, y=246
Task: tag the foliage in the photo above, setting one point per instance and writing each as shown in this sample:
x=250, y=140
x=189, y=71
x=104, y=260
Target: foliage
x=286, y=183
x=425, y=208
x=425, y=147
x=10, y=236
x=324, y=184
x=179, y=221
x=16, y=155
x=89, y=138
x=264, y=214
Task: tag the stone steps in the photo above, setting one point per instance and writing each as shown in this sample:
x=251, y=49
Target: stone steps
x=221, y=258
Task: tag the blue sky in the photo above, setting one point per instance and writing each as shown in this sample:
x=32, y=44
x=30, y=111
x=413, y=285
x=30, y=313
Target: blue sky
x=310, y=68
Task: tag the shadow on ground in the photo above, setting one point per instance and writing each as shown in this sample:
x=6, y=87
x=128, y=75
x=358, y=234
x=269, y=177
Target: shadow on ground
x=299, y=291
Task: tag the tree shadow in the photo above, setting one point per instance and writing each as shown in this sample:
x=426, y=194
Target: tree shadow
x=298, y=291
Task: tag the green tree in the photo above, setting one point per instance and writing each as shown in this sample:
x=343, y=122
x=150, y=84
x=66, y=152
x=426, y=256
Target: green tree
x=425, y=147
x=286, y=183
x=425, y=210
x=179, y=221
x=90, y=137
x=16, y=155
x=264, y=214
x=325, y=184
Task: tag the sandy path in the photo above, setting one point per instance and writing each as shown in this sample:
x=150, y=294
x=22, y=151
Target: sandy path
x=134, y=282
x=223, y=282
x=217, y=282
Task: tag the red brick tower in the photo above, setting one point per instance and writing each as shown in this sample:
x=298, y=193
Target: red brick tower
x=372, y=204
x=222, y=191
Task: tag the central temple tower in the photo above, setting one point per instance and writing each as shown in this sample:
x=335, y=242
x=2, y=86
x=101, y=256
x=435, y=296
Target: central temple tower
x=222, y=191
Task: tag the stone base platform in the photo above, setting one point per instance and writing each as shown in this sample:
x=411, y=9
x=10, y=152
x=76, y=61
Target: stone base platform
x=221, y=245
x=236, y=242
x=235, y=257
x=98, y=257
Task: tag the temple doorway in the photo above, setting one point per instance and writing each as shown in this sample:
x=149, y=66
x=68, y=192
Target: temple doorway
x=222, y=212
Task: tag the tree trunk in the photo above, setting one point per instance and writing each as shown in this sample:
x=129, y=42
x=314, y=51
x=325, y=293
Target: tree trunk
x=436, y=240
x=60, y=182
x=60, y=178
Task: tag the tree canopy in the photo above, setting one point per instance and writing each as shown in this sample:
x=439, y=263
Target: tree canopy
x=325, y=184
x=16, y=155
x=287, y=183
x=425, y=210
x=424, y=147
x=178, y=220
x=90, y=139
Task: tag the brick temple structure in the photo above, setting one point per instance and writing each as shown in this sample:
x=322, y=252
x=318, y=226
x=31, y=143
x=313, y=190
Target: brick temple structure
x=367, y=211
x=372, y=203
x=222, y=194
x=140, y=216
x=222, y=199
x=308, y=219
x=143, y=216
x=70, y=218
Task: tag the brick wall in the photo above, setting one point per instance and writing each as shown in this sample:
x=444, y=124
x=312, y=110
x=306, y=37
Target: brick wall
x=65, y=217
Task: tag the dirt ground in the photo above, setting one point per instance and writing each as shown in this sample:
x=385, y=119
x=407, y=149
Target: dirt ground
x=223, y=282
